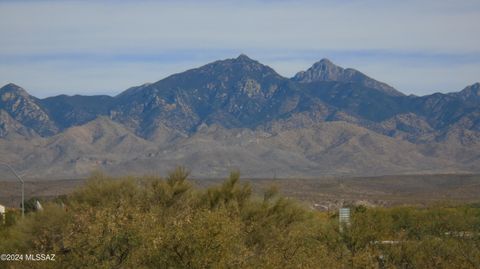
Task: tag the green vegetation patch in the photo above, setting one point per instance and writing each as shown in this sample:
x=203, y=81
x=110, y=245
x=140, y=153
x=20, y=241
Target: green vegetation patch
x=152, y=222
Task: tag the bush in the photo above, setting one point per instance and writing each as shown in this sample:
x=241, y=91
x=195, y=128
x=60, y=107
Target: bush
x=151, y=222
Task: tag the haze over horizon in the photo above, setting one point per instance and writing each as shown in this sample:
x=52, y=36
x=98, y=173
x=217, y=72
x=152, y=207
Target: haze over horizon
x=90, y=47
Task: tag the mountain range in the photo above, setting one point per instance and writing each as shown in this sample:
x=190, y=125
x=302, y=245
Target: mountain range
x=240, y=114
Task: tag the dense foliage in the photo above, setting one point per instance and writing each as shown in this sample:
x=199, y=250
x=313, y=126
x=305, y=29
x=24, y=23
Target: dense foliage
x=166, y=223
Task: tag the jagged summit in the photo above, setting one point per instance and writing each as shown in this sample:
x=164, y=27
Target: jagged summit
x=474, y=87
x=470, y=89
x=12, y=91
x=243, y=57
x=13, y=88
x=242, y=60
x=325, y=70
x=26, y=110
x=325, y=62
x=235, y=92
x=229, y=70
x=470, y=93
x=9, y=86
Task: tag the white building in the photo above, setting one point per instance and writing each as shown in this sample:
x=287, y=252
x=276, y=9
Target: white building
x=2, y=213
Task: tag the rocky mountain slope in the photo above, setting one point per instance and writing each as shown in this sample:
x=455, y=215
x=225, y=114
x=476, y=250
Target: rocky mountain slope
x=325, y=70
x=240, y=114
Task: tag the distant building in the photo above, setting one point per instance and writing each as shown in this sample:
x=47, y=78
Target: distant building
x=38, y=206
x=2, y=213
x=344, y=217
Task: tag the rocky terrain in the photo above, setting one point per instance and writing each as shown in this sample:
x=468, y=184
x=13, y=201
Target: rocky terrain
x=240, y=114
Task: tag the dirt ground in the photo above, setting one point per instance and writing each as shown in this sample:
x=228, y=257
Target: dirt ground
x=325, y=193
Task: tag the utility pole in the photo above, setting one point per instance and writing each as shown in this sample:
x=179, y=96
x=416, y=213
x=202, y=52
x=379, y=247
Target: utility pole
x=23, y=185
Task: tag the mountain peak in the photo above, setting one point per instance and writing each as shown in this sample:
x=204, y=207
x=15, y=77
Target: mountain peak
x=10, y=87
x=325, y=70
x=474, y=87
x=471, y=93
x=325, y=61
x=242, y=66
x=15, y=89
x=243, y=57
x=26, y=109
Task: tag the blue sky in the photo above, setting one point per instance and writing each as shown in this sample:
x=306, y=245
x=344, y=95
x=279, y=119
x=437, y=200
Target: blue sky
x=104, y=47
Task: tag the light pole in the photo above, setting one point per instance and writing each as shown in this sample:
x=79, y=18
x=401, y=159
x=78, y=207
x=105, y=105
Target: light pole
x=23, y=185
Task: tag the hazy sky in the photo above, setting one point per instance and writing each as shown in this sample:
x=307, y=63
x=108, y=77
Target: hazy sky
x=104, y=47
